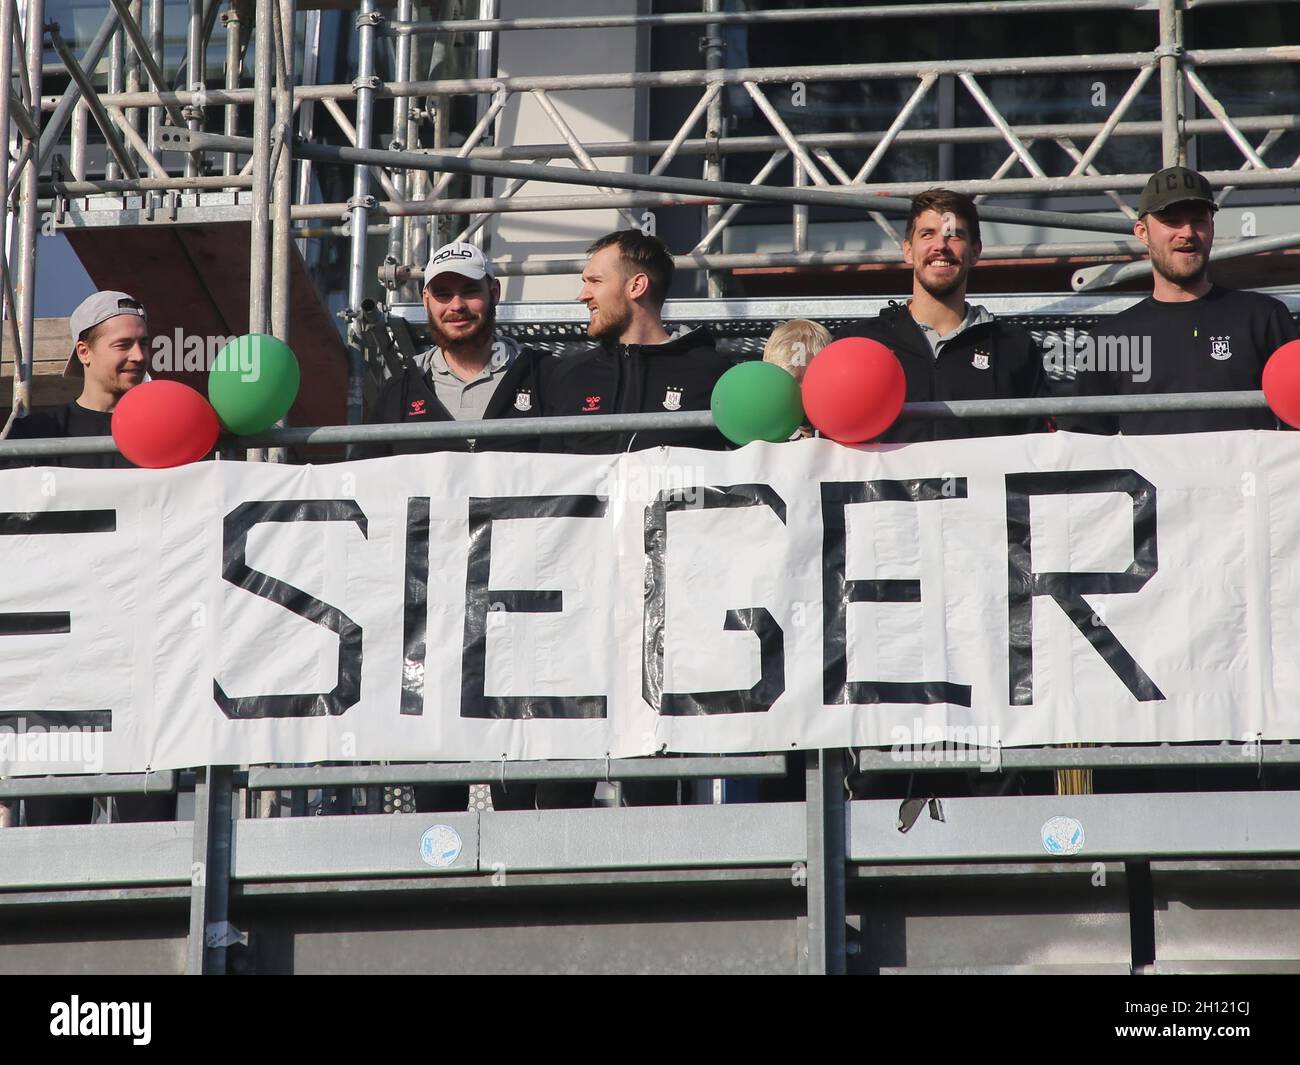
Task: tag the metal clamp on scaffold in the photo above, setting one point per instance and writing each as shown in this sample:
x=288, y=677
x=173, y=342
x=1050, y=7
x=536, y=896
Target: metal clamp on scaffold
x=179, y=139
x=389, y=273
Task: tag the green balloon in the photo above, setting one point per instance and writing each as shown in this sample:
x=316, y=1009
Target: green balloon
x=253, y=383
x=757, y=401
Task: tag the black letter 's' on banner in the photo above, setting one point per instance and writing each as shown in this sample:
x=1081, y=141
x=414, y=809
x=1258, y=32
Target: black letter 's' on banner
x=1068, y=589
x=758, y=620
x=50, y=622
x=478, y=598
x=235, y=569
x=838, y=593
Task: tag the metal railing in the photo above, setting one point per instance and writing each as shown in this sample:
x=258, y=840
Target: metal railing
x=681, y=420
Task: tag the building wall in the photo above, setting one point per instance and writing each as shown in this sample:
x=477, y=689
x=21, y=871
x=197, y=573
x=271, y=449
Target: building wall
x=600, y=115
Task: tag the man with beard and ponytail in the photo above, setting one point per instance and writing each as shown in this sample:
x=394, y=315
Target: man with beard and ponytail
x=950, y=349
x=1189, y=335
x=470, y=373
x=634, y=367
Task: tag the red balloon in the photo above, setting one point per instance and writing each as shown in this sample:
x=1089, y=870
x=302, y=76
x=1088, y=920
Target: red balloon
x=164, y=423
x=1282, y=383
x=853, y=390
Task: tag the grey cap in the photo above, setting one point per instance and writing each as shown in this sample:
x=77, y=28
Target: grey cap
x=1175, y=184
x=94, y=309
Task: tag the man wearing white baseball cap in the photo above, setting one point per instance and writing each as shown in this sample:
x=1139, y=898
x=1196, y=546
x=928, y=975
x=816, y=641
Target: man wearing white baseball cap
x=110, y=353
x=470, y=373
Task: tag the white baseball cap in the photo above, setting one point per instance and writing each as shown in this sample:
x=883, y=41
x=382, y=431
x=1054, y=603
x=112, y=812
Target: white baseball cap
x=458, y=258
x=94, y=309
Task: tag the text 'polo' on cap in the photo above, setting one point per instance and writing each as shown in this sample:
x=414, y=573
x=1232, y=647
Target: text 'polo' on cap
x=458, y=257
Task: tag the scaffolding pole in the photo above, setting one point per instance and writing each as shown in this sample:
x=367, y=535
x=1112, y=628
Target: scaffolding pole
x=28, y=211
x=366, y=86
x=234, y=64
x=282, y=178
x=8, y=23
x=1169, y=53
x=712, y=45
x=259, y=268
x=196, y=68
x=402, y=179
x=842, y=196
x=972, y=9
x=663, y=79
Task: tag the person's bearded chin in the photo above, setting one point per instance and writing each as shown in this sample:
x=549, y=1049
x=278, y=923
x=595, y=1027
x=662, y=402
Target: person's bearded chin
x=607, y=327
x=941, y=289
x=472, y=339
x=1178, y=266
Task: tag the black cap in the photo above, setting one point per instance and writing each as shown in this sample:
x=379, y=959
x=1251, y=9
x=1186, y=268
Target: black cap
x=1175, y=184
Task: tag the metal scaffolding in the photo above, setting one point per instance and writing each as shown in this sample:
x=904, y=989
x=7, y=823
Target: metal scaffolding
x=403, y=183
x=187, y=146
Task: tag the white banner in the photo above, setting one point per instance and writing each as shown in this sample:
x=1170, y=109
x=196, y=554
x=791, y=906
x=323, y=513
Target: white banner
x=1026, y=590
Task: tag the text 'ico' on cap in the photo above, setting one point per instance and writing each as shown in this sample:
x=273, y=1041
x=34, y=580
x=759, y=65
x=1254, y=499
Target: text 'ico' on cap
x=458, y=258
x=94, y=309
x=1175, y=184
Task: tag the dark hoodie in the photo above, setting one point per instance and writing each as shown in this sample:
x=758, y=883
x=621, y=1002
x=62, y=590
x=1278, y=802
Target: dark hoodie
x=409, y=397
x=610, y=378
x=988, y=359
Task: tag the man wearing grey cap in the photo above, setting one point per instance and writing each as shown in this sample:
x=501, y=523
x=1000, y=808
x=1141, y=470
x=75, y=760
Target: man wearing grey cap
x=470, y=373
x=110, y=353
x=1190, y=335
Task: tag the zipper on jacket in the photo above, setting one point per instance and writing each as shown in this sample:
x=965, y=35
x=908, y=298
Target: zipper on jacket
x=623, y=368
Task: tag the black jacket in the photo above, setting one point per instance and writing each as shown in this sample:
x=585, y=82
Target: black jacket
x=989, y=360
x=633, y=379
x=409, y=397
x=1218, y=343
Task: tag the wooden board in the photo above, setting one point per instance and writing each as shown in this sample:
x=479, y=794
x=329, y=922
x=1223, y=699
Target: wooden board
x=49, y=387
x=195, y=279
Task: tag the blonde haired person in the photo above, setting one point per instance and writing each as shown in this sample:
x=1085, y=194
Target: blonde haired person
x=793, y=344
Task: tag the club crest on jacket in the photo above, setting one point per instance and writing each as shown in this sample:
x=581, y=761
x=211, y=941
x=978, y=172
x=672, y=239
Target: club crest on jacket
x=673, y=399
x=524, y=399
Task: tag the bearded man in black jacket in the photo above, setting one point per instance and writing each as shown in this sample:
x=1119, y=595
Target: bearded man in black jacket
x=948, y=348
x=470, y=374
x=635, y=367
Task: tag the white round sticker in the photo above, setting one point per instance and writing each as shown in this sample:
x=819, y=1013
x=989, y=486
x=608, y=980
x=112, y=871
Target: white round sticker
x=1062, y=836
x=440, y=846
